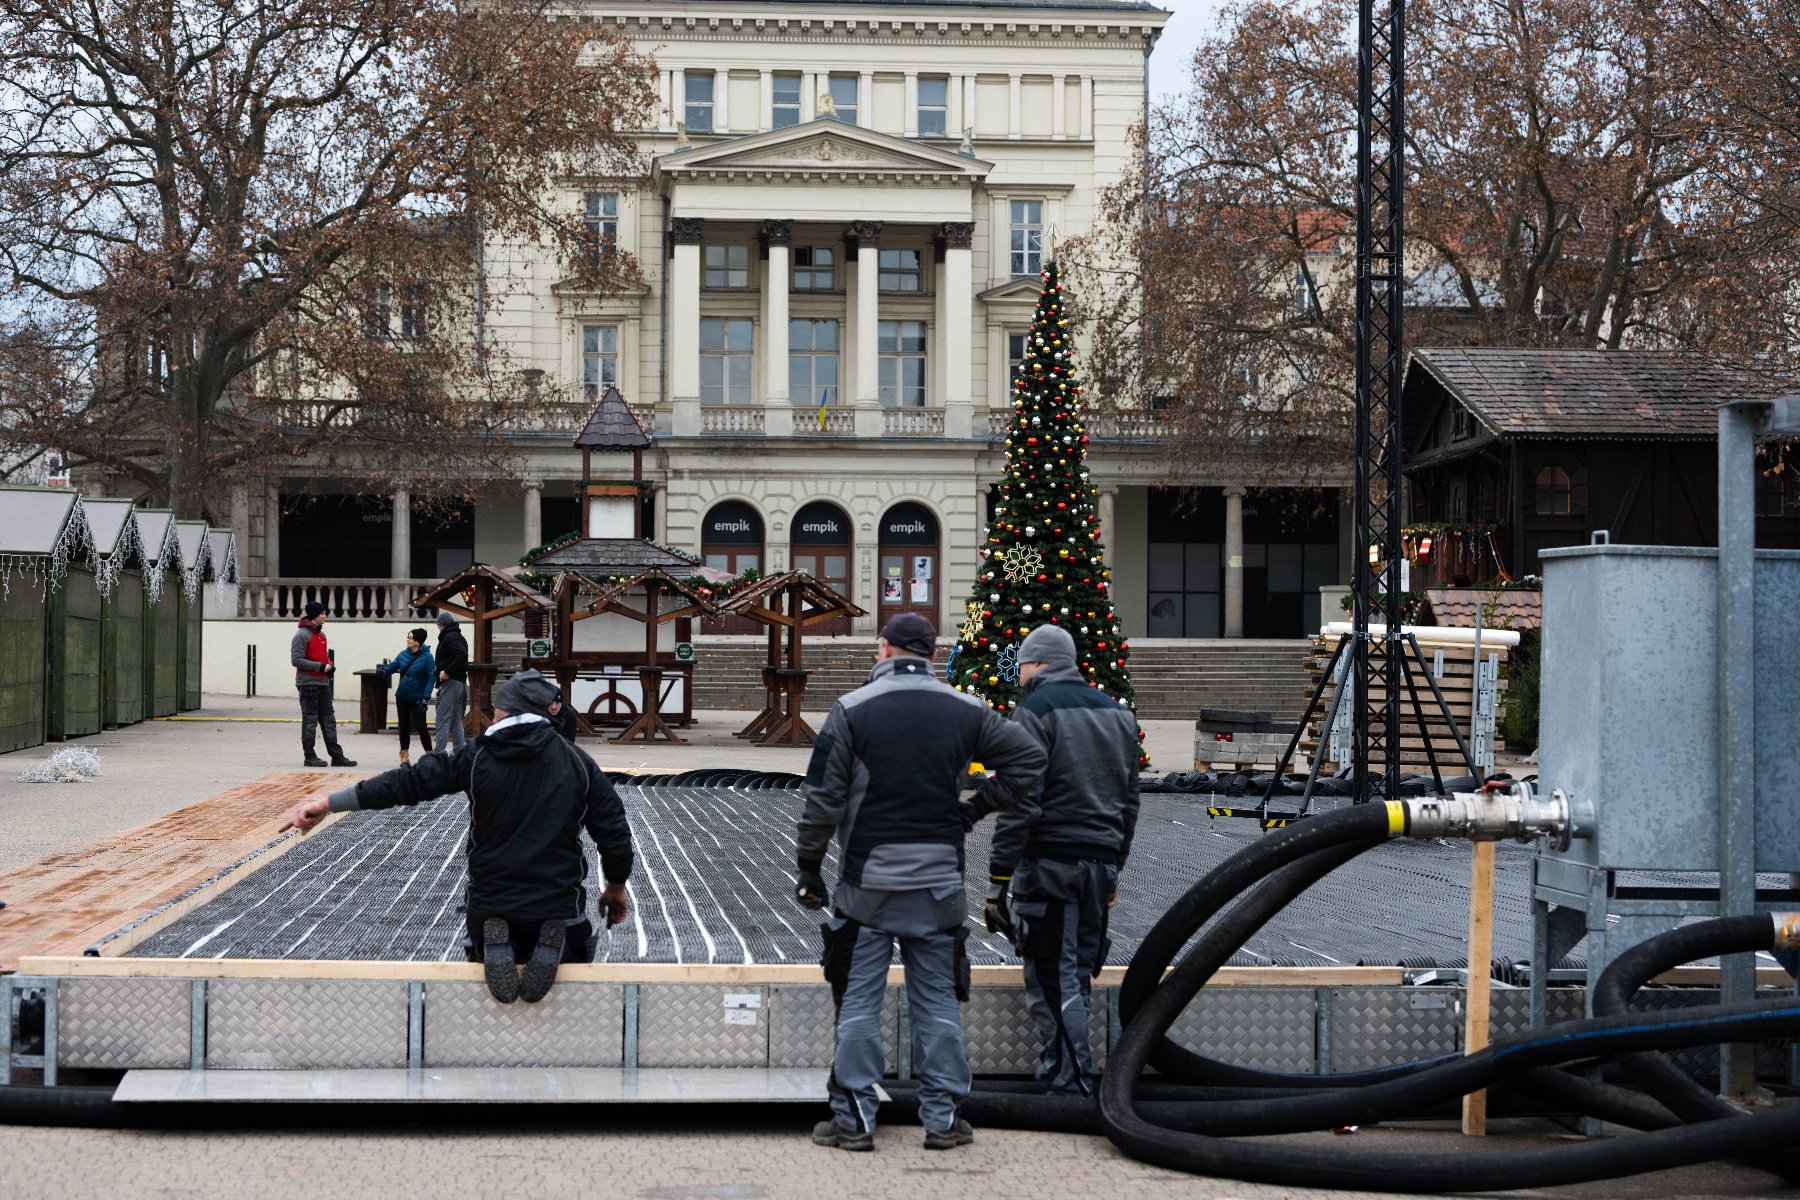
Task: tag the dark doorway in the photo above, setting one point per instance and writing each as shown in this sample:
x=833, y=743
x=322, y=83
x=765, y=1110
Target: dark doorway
x=909, y=576
x=819, y=543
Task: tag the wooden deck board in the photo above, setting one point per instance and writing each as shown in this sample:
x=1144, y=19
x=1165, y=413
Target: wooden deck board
x=64, y=902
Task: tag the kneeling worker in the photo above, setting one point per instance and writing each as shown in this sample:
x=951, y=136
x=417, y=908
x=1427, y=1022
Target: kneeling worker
x=1060, y=855
x=531, y=793
x=884, y=777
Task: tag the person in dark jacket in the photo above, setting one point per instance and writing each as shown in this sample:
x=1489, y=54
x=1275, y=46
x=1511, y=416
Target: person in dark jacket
x=530, y=795
x=415, y=667
x=453, y=683
x=885, y=772
x=1060, y=853
x=313, y=671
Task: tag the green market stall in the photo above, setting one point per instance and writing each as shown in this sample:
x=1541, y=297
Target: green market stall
x=196, y=568
x=41, y=531
x=115, y=527
x=163, y=583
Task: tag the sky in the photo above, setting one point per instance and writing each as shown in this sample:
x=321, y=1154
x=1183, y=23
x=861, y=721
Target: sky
x=1192, y=20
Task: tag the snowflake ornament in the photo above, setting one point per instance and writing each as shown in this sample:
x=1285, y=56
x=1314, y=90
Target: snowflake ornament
x=1007, y=663
x=1020, y=561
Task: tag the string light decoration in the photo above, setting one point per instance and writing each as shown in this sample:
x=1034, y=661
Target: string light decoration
x=74, y=541
x=227, y=573
x=128, y=547
x=1042, y=559
x=157, y=560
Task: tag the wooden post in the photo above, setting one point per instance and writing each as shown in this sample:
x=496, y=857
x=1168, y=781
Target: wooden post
x=1480, y=990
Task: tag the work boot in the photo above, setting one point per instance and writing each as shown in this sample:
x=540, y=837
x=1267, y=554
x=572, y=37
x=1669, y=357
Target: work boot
x=501, y=968
x=959, y=1134
x=830, y=1133
x=313, y=760
x=404, y=758
x=338, y=760
x=540, y=968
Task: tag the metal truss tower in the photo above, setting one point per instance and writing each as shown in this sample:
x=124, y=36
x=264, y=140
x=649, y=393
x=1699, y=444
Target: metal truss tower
x=1378, y=665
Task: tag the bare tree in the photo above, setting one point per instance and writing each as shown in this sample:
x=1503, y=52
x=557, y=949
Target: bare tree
x=254, y=231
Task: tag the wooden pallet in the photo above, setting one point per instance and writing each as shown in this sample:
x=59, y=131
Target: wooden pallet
x=1457, y=685
x=65, y=902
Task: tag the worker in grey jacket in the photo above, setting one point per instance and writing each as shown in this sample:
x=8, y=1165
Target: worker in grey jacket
x=1060, y=854
x=884, y=777
x=313, y=671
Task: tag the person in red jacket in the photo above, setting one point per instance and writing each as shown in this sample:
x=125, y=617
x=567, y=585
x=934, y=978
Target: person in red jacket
x=313, y=670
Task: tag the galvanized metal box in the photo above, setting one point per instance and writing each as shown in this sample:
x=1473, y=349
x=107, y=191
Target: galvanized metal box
x=1630, y=701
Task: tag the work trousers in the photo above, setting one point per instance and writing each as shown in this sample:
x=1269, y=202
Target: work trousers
x=936, y=971
x=452, y=703
x=317, y=715
x=410, y=716
x=1060, y=910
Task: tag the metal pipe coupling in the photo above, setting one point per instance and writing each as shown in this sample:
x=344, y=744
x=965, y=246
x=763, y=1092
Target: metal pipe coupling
x=1497, y=815
x=1787, y=930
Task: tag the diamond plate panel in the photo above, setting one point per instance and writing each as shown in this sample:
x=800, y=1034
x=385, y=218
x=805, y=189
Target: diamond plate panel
x=688, y=1025
x=123, y=1023
x=802, y=1026
x=1372, y=1027
x=576, y=1025
x=999, y=1031
x=1703, y=1061
x=1511, y=1010
x=1268, y=1029
x=286, y=1024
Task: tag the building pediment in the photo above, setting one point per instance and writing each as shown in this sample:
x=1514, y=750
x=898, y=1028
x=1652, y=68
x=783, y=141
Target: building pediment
x=822, y=149
x=1024, y=291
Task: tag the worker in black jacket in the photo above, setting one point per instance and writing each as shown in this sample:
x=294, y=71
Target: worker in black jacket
x=453, y=683
x=531, y=793
x=1060, y=853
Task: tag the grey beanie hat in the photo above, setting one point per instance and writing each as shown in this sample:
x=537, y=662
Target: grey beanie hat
x=527, y=692
x=445, y=620
x=1050, y=645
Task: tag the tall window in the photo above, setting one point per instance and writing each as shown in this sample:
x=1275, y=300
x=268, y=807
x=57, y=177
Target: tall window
x=901, y=271
x=725, y=361
x=600, y=214
x=1015, y=356
x=786, y=110
x=813, y=362
x=698, y=102
x=934, y=107
x=1303, y=292
x=843, y=95
x=599, y=360
x=1027, y=238
x=378, y=314
x=727, y=266
x=413, y=314
x=813, y=268
x=902, y=348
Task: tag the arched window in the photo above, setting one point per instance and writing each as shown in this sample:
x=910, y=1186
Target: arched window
x=1555, y=493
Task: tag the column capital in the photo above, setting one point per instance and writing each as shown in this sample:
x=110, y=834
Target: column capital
x=958, y=235
x=775, y=233
x=532, y=485
x=864, y=233
x=1236, y=491
x=686, y=231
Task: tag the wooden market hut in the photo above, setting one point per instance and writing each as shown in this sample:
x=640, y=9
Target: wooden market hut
x=809, y=604
x=196, y=569
x=163, y=584
x=122, y=567
x=41, y=531
x=482, y=595
x=653, y=699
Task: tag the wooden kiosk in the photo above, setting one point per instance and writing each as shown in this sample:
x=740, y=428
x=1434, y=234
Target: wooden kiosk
x=649, y=587
x=808, y=603
x=481, y=595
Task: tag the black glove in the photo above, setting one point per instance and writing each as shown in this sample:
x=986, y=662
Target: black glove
x=809, y=886
x=996, y=913
x=969, y=814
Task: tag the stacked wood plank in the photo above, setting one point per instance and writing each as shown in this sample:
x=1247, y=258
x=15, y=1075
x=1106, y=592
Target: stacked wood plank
x=1457, y=683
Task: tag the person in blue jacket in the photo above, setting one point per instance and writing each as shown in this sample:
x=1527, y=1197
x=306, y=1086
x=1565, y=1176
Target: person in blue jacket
x=417, y=671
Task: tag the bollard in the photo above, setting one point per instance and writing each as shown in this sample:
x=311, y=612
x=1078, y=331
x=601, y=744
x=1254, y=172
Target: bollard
x=249, y=671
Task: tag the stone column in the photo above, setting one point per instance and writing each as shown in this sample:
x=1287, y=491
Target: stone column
x=776, y=279
x=957, y=329
x=666, y=118
x=1234, y=562
x=271, y=531
x=400, y=541
x=1059, y=104
x=867, y=237
x=534, y=514
x=1015, y=109
x=910, y=119
x=766, y=121
x=1108, y=493
x=241, y=530
x=1087, y=107
x=865, y=100
x=721, y=101
x=684, y=325
x=677, y=97
x=809, y=95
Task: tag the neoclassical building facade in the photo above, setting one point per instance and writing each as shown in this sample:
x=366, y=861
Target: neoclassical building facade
x=840, y=231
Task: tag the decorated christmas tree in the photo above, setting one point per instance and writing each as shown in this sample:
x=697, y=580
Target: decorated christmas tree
x=1042, y=561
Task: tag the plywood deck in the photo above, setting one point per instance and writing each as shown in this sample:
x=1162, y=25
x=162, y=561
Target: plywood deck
x=65, y=902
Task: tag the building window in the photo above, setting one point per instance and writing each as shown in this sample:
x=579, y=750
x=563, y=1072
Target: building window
x=599, y=360
x=725, y=361
x=413, y=314
x=902, y=348
x=1304, y=293
x=600, y=216
x=727, y=266
x=786, y=101
x=1462, y=425
x=813, y=268
x=378, y=315
x=1027, y=238
x=1772, y=491
x=813, y=362
x=1015, y=357
x=934, y=107
x=901, y=271
x=843, y=95
x=698, y=102
x=1558, y=494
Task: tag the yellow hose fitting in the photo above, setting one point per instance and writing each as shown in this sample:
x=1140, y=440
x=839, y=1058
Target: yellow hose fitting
x=1787, y=930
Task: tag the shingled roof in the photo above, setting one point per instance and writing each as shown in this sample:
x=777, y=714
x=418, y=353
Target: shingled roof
x=1565, y=394
x=614, y=556
x=612, y=425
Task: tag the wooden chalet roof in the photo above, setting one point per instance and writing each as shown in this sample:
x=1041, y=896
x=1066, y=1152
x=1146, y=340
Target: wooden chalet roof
x=820, y=601
x=1499, y=608
x=1581, y=394
x=612, y=425
x=613, y=556
x=610, y=593
x=448, y=594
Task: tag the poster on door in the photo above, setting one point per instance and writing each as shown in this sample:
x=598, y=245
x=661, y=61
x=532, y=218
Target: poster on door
x=922, y=566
